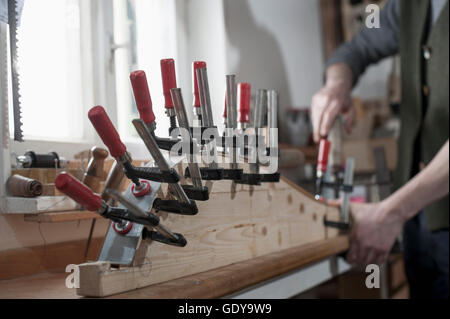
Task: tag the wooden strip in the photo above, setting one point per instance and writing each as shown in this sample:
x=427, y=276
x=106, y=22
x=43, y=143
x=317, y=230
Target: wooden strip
x=27, y=261
x=58, y=217
x=45, y=175
x=20, y=205
x=229, y=279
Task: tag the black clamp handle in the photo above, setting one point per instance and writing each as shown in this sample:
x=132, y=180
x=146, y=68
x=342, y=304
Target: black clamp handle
x=207, y=173
x=176, y=207
x=118, y=214
x=250, y=179
x=336, y=224
x=151, y=173
x=232, y=174
x=153, y=235
x=195, y=193
x=270, y=178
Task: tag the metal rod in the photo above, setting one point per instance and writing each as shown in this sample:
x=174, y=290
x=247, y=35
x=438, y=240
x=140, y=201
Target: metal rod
x=348, y=180
x=232, y=115
x=180, y=111
x=205, y=98
x=231, y=101
x=272, y=117
x=154, y=150
x=207, y=117
x=260, y=108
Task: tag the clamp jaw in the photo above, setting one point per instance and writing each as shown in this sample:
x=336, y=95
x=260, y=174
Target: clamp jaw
x=265, y=100
x=122, y=217
x=345, y=187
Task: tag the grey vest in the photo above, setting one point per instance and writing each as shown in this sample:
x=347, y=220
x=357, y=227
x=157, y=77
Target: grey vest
x=425, y=91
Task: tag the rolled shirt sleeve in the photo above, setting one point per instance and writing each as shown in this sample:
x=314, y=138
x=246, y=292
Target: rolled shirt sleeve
x=370, y=45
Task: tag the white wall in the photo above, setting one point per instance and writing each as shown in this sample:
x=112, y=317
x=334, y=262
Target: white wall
x=201, y=32
x=276, y=45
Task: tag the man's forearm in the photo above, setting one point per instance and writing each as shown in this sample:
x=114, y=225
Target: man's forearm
x=430, y=185
x=339, y=75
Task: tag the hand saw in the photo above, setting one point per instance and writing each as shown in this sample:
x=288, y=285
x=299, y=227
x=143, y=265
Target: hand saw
x=12, y=21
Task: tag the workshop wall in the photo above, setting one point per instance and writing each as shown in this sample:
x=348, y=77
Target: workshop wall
x=276, y=45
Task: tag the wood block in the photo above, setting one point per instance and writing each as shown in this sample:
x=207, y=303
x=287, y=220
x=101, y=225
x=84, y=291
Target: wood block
x=229, y=228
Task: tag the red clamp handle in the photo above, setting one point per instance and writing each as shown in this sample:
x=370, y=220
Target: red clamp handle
x=322, y=158
x=79, y=192
x=169, y=80
x=196, y=65
x=104, y=127
x=225, y=111
x=142, y=96
x=244, y=95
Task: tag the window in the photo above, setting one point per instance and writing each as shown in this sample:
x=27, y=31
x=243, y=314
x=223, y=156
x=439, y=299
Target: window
x=50, y=68
x=144, y=33
x=74, y=54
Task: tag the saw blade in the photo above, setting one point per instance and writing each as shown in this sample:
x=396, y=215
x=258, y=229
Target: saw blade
x=12, y=21
x=4, y=84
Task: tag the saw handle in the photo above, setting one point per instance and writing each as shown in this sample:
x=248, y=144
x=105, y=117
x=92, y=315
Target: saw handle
x=244, y=95
x=196, y=65
x=142, y=96
x=106, y=130
x=169, y=80
x=322, y=158
x=79, y=192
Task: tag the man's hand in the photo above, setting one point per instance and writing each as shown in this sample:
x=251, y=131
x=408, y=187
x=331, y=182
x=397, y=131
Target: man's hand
x=374, y=233
x=332, y=99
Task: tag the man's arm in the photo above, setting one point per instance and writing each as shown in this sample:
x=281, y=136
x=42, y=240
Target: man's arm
x=347, y=64
x=425, y=188
x=370, y=45
x=378, y=225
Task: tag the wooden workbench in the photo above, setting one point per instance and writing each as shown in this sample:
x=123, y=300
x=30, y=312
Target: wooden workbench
x=216, y=283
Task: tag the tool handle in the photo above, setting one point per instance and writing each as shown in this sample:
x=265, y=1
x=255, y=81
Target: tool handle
x=95, y=165
x=322, y=158
x=142, y=96
x=169, y=80
x=225, y=109
x=196, y=65
x=113, y=181
x=104, y=127
x=79, y=192
x=244, y=95
x=43, y=160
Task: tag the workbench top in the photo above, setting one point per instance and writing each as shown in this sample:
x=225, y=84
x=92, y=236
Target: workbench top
x=215, y=283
